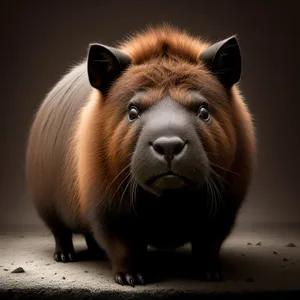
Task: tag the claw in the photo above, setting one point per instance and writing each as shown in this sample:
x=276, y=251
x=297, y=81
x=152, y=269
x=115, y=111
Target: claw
x=64, y=257
x=56, y=257
x=119, y=279
x=140, y=279
x=207, y=276
x=213, y=275
x=131, y=279
x=71, y=256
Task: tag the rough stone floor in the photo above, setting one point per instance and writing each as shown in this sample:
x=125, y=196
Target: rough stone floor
x=256, y=262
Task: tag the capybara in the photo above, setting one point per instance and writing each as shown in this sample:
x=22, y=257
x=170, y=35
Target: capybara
x=148, y=143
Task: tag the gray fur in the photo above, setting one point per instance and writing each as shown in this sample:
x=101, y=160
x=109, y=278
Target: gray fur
x=48, y=142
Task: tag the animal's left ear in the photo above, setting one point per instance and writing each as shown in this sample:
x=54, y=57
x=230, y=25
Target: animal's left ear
x=105, y=64
x=224, y=60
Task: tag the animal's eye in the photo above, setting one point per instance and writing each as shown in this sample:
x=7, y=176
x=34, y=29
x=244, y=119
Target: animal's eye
x=133, y=113
x=203, y=113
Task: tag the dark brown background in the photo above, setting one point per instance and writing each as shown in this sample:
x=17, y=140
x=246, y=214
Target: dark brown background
x=40, y=40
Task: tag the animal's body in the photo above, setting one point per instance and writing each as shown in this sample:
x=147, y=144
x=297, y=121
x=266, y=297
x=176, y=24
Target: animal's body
x=148, y=144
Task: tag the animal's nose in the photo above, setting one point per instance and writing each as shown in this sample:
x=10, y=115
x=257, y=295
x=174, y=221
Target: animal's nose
x=168, y=146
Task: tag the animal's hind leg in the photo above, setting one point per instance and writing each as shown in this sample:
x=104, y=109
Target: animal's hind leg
x=64, y=249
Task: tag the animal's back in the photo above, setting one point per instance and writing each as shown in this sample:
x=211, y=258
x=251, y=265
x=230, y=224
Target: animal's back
x=47, y=150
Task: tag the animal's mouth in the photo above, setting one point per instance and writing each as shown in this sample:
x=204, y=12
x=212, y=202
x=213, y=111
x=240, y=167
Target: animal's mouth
x=168, y=179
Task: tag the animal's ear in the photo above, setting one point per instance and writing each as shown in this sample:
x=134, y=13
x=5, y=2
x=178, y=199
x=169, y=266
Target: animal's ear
x=105, y=64
x=224, y=60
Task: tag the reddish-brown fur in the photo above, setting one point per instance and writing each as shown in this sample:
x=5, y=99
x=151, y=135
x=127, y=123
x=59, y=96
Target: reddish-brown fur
x=164, y=61
x=150, y=68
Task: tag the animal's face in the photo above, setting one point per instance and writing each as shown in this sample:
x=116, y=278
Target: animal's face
x=169, y=153
x=173, y=137
x=170, y=117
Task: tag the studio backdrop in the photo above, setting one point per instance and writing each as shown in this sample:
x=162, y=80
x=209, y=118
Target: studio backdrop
x=41, y=40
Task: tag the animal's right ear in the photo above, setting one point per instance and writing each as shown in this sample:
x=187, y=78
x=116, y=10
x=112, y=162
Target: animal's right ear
x=224, y=60
x=105, y=64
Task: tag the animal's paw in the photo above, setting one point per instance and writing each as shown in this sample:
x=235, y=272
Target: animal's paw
x=130, y=278
x=62, y=256
x=208, y=270
x=213, y=274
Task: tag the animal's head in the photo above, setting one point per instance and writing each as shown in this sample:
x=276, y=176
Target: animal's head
x=167, y=101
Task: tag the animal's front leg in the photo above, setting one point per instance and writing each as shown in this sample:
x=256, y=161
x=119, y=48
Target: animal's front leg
x=126, y=256
x=207, y=242
x=206, y=260
x=127, y=262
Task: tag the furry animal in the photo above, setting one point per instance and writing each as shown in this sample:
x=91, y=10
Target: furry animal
x=148, y=143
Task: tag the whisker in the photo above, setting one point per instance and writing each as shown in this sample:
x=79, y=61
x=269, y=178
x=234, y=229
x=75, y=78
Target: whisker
x=131, y=192
x=135, y=193
x=126, y=177
x=213, y=198
x=227, y=170
x=127, y=185
x=210, y=196
x=220, y=179
x=133, y=196
x=124, y=169
x=127, y=166
x=219, y=198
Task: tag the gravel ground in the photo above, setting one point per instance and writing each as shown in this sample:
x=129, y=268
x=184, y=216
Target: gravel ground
x=259, y=260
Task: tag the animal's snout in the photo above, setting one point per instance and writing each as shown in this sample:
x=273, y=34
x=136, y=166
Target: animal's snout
x=169, y=154
x=168, y=147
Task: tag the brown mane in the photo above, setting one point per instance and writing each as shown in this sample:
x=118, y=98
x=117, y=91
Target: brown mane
x=165, y=40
